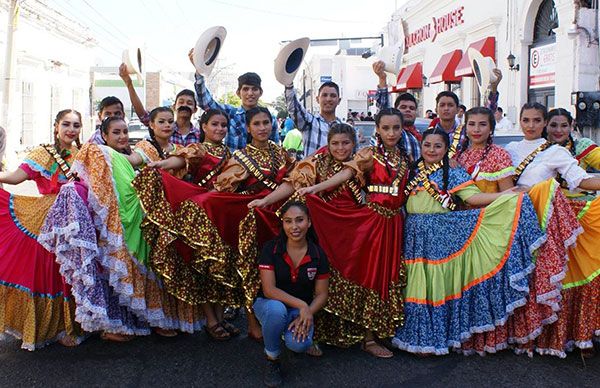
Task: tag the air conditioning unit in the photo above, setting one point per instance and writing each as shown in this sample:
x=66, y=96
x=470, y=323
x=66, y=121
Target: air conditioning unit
x=587, y=108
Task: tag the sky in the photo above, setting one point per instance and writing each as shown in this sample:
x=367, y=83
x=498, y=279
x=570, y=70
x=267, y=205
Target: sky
x=255, y=28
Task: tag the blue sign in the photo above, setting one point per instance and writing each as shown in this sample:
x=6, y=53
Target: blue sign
x=325, y=78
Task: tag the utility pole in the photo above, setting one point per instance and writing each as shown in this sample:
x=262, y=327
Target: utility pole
x=13, y=17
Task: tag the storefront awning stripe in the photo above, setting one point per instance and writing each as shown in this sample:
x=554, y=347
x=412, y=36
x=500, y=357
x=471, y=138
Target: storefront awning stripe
x=411, y=77
x=486, y=46
x=444, y=71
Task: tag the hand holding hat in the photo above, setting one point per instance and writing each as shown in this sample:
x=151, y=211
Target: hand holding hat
x=289, y=59
x=483, y=69
x=132, y=59
x=208, y=46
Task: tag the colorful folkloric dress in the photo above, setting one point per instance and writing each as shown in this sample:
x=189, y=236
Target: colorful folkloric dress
x=363, y=243
x=36, y=304
x=578, y=321
x=122, y=252
x=161, y=195
x=586, y=152
x=209, y=222
x=467, y=271
x=487, y=166
x=528, y=321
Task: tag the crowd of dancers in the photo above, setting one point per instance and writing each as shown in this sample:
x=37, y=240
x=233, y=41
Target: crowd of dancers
x=441, y=240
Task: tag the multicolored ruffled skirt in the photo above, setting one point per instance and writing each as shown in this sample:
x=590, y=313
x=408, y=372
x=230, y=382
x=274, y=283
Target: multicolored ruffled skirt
x=36, y=304
x=122, y=255
x=467, y=272
x=578, y=323
x=543, y=305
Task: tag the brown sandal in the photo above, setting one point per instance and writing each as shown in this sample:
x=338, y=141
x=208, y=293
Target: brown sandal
x=114, y=337
x=68, y=341
x=231, y=329
x=165, y=332
x=314, y=350
x=374, y=349
x=217, y=332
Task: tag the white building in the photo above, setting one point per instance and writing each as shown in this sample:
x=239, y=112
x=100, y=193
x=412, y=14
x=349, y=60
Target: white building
x=352, y=73
x=554, y=44
x=51, y=59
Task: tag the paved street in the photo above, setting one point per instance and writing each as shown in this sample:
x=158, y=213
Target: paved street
x=194, y=360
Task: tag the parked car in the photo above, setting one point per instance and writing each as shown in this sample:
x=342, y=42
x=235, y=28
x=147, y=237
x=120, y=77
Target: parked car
x=422, y=124
x=503, y=138
x=365, y=132
x=137, y=131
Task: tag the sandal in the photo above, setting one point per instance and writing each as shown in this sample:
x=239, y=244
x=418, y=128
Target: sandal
x=374, y=349
x=68, y=341
x=314, y=350
x=231, y=329
x=165, y=332
x=114, y=337
x=217, y=332
x=588, y=353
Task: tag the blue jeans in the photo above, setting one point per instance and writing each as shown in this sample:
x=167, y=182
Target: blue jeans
x=275, y=317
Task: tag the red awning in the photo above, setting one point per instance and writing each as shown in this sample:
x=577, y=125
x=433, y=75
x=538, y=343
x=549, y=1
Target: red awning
x=486, y=46
x=411, y=77
x=394, y=88
x=444, y=71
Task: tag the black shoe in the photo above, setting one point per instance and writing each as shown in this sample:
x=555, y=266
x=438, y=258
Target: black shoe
x=272, y=377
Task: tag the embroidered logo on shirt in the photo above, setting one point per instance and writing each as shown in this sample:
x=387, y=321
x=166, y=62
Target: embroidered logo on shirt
x=311, y=272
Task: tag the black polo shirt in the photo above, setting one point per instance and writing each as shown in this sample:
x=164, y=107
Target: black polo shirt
x=296, y=281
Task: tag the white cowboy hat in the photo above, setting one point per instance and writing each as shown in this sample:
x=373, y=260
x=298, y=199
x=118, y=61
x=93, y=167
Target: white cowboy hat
x=132, y=58
x=207, y=49
x=289, y=59
x=482, y=69
x=392, y=56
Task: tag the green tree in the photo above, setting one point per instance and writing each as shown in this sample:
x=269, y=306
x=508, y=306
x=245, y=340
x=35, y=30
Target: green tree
x=279, y=105
x=230, y=98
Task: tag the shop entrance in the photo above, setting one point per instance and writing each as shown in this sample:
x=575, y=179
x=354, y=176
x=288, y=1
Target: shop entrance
x=541, y=56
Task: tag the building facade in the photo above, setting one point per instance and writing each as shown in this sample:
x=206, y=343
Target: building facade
x=546, y=49
x=45, y=78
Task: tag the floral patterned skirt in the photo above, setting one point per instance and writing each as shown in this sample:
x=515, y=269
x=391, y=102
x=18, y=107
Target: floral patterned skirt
x=467, y=272
x=36, y=304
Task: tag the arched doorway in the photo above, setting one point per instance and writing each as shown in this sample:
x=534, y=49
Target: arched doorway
x=542, y=55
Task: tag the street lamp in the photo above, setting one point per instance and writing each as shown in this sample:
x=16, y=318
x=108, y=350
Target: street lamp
x=425, y=81
x=511, y=62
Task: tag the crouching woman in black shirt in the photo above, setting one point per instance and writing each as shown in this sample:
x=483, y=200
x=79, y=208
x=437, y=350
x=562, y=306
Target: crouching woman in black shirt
x=294, y=273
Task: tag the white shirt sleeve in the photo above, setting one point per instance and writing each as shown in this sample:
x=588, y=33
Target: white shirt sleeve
x=561, y=160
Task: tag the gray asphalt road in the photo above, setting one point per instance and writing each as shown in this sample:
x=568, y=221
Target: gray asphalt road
x=195, y=360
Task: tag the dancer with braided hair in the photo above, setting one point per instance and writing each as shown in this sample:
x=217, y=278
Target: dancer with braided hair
x=467, y=271
x=30, y=280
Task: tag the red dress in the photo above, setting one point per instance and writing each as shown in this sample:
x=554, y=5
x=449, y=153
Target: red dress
x=161, y=194
x=36, y=304
x=364, y=247
x=211, y=223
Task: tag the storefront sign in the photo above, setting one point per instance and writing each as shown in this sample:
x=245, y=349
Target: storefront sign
x=437, y=26
x=542, y=66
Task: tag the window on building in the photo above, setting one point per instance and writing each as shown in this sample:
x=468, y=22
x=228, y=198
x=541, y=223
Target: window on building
x=546, y=22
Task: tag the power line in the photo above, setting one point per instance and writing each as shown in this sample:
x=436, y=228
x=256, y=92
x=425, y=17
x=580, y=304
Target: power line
x=267, y=11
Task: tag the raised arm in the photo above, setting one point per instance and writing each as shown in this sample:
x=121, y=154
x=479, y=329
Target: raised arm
x=138, y=106
x=382, y=98
x=302, y=118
